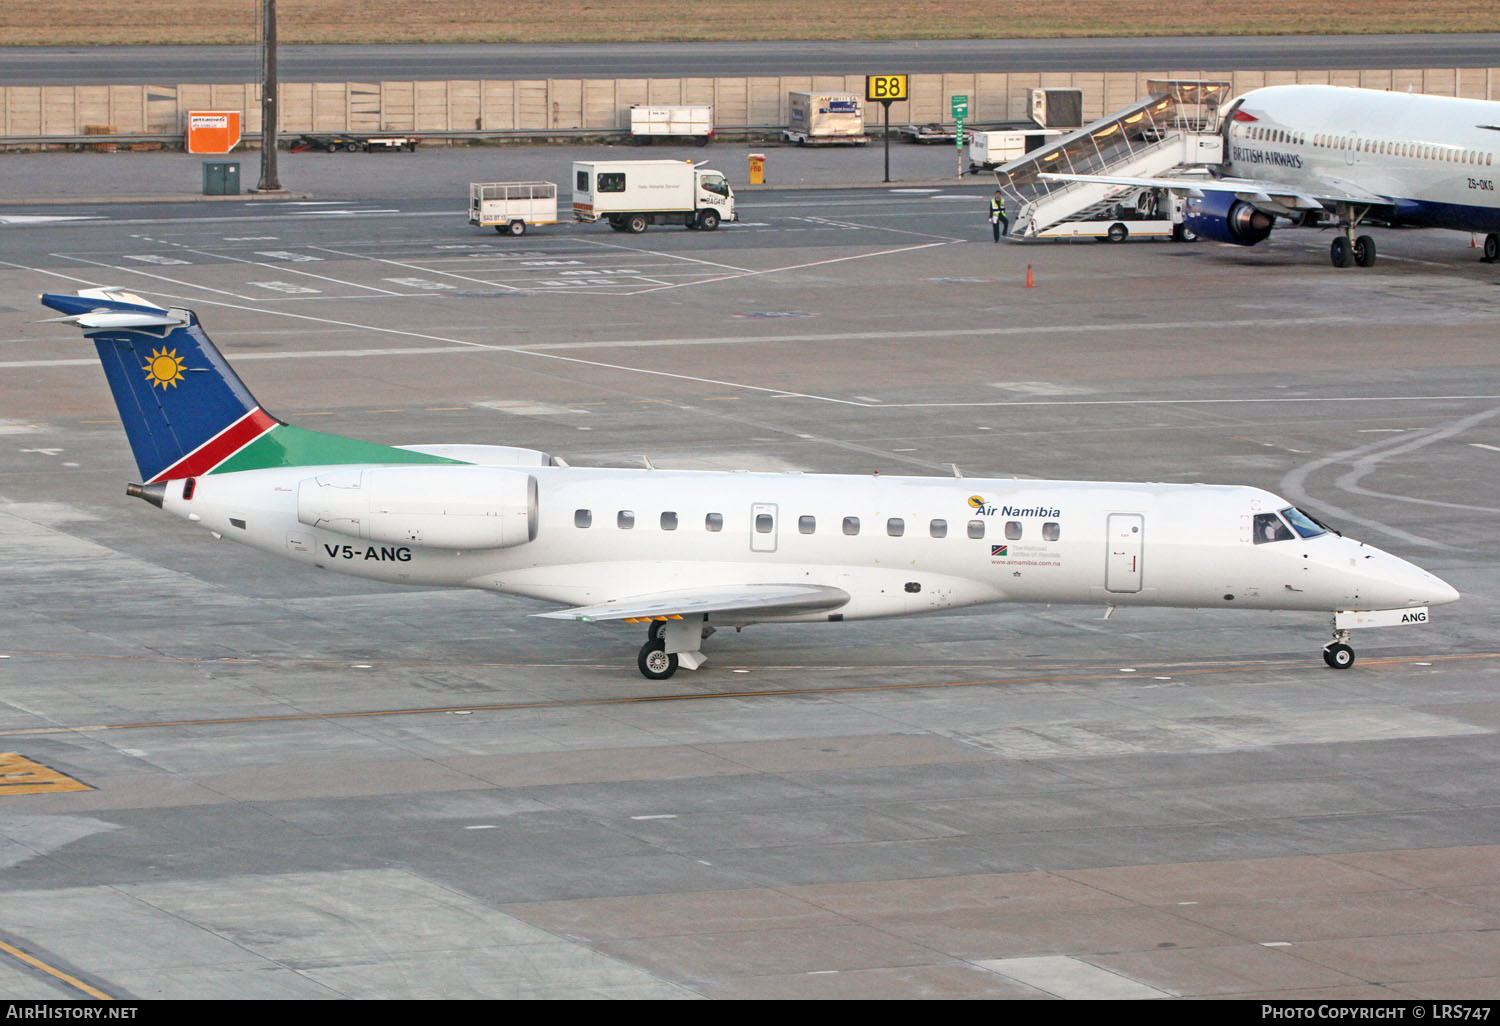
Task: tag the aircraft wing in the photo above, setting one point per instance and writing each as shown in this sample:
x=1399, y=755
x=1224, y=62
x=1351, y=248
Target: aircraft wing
x=1273, y=197
x=759, y=599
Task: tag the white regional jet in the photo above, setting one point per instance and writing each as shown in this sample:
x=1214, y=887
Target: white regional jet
x=1333, y=155
x=685, y=552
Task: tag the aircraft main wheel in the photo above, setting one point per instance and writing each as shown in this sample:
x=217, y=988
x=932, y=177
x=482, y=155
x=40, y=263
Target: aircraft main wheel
x=708, y=220
x=636, y=223
x=1491, y=248
x=1338, y=655
x=655, y=662
x=1339, y=251
x=518, y=227
x=1118, y=232
x=1364, y=251
x=656, y=630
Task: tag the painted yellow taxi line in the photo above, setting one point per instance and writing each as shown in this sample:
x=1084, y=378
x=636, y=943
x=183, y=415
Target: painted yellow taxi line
x=19, y=775
x=54, y=972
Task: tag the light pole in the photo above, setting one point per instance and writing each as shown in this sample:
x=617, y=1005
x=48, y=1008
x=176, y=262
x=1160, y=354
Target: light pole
x=268, y=179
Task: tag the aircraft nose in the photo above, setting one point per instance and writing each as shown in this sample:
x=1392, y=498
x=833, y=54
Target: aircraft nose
x=1442, y=591
x=1417, y=587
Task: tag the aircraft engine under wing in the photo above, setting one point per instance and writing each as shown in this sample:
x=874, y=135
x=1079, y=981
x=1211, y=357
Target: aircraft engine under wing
x=758, y=600
x=1223, y=218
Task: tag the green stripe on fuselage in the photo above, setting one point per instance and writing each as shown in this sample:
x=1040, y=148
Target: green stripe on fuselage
x=286, y=445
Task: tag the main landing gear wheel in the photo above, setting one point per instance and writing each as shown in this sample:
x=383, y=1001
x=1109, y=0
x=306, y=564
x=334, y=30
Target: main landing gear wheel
x=1339, y=251
x=655, y=662
x=1364, y=251
x=1491, y=248
x=1338, y=655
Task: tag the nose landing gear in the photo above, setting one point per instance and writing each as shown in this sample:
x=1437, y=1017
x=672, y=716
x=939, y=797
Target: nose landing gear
x=1337, y=652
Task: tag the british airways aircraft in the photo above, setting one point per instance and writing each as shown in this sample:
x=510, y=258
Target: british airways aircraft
x=685, y=552
x=1340, y=157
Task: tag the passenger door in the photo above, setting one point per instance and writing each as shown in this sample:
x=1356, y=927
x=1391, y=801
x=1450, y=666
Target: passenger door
x=1126, y=539
x=763, y=527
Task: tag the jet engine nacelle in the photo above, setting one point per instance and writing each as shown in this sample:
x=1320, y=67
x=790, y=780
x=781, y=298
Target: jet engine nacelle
x=446, y=507
x=1223, y=218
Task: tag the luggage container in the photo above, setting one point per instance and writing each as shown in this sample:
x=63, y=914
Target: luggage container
x=512, y=206
x=824, y=118
x=695, y=123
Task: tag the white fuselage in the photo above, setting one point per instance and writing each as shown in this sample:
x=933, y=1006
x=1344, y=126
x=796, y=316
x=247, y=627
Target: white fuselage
x=920, y=544
x=1436, y=158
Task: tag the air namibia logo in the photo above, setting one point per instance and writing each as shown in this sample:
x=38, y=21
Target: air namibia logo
x=164, y=369
x=978, y=505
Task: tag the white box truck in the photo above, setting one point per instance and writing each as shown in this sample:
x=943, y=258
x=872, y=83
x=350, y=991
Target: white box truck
x=633, y=194
x=648, y=124
x=988, y=150
x=825, y=118
x=511, y=206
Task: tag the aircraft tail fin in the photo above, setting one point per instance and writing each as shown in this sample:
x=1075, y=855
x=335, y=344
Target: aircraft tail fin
x=184, y=409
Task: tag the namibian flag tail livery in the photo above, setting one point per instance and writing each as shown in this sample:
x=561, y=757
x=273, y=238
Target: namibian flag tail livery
x=184, y=409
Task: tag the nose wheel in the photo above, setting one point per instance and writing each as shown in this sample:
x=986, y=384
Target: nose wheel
x=1338, y=655
x=1337, y=652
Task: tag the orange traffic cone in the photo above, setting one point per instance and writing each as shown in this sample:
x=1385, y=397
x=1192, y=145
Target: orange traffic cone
x=1030, y=281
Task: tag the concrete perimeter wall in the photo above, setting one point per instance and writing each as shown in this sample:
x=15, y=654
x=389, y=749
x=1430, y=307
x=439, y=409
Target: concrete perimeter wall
x=543, y=105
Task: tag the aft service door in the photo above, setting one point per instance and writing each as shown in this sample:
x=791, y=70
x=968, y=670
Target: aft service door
x=763, y=527
x=1126, y=537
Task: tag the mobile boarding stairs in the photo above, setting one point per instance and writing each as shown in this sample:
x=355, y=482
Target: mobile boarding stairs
x=1173, y=129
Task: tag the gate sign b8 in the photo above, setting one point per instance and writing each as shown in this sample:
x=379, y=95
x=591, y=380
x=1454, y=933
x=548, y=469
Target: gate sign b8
x=885, y=88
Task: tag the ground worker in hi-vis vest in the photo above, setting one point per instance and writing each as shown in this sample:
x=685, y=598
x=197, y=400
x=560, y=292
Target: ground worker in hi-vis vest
x=997, y=215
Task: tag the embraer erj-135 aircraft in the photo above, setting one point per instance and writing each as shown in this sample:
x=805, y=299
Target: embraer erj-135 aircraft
x=1334, y=155
x=685, y=552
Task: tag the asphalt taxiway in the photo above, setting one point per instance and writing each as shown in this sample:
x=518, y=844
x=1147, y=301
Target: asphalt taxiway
x=308, y=786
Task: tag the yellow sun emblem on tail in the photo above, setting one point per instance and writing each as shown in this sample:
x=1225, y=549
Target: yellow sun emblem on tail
x=164, y=369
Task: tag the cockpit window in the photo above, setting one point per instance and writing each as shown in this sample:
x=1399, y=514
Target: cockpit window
x=1270, y=528
x=1304, y=525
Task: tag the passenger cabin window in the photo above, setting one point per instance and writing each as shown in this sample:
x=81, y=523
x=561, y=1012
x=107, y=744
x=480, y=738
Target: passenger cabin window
x=583, y=517
x=807, y=525
x=851, y=525
x=625, y=519
x=1270, y=528
x=895, y=527
x=1012, y=530
x=611, y=181
x=976, y=528
x=713, y=522
x=669, y=521
x=938, y=528
x=1051, y=531
x=763, y=523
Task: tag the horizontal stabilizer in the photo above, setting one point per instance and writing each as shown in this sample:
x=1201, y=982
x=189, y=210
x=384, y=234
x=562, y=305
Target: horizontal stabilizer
x=761, y=599
x=102, y=300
